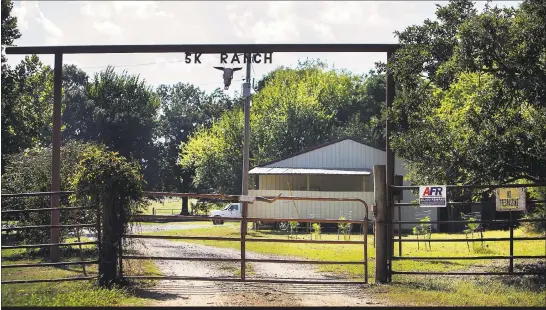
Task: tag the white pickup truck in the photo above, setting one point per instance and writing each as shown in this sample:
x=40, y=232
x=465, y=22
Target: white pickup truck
x=235, y=209
x=231, y=210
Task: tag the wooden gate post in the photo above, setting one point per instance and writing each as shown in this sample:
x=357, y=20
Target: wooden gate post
x=108, y=256
x=381, y=233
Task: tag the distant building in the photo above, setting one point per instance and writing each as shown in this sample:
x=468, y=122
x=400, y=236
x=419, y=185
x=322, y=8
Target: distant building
x=341, y=169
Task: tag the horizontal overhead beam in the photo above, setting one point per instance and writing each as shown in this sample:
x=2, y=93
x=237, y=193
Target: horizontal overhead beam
x=203, y=48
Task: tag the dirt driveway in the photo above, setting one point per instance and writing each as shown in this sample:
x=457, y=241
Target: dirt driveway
x=206, y=293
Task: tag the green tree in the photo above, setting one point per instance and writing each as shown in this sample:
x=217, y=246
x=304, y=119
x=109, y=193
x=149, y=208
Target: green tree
x=292, y=110
x=303, y=107
x=470, y=105
x=184, y=109
x=24, y=93
x=78, y=113
x=27, y=98
x=215, y=155
x=108, y=181
x=119, y=111
x=10, y=32
x=30, y=171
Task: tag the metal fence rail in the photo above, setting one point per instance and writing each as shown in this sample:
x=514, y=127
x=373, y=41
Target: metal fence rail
x=243, y=240
x=512, y=224
x=47, y=226
x=80, y=262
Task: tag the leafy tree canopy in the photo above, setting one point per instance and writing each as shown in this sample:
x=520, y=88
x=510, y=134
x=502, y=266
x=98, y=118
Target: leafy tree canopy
x=293, y=110
x=184, y=109
x=471, y=99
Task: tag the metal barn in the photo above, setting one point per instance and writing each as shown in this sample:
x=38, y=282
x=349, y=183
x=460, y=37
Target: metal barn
x=339, y=169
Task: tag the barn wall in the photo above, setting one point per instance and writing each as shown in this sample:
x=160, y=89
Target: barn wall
x=344, y=154
x=322, y=209
x=309, y=209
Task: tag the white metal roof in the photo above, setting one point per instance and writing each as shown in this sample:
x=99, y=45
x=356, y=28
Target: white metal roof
x=344, y=171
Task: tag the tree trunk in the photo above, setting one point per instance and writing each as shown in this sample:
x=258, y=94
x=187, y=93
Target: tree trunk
x=185, y=206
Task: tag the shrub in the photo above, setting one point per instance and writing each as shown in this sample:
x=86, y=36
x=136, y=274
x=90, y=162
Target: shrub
x=200, y=207
x=115, y=185
x=30, y=171
x=536, y=210
x=344, y=228
x=424, y=229
x=316, y=229
x=293, y=225
x=204, y=207
x=539, y=212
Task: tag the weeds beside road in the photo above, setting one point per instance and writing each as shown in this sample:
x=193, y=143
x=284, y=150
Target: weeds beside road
x=73, y=293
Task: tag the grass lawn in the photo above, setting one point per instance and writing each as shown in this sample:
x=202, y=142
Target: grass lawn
x=167, y=207
x=171, y=223
x=410, y=290
x=73, y=293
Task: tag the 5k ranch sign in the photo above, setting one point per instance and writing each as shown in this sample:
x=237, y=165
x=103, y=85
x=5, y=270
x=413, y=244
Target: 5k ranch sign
x=432, y=196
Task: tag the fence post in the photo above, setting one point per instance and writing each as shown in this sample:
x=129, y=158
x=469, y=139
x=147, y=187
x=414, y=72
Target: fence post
x=511, y=267
x=399, y=195
x=99, y=239
x=381, y=233
x=244, y=227
x=109, y=250
x=120, y=257
x=366, y=248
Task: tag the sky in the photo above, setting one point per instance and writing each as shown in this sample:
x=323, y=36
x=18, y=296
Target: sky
x=45, y=23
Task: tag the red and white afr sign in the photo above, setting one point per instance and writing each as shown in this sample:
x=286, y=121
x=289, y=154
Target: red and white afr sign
x=432, y=196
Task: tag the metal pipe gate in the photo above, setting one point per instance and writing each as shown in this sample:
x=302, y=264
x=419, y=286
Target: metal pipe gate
x=244, y=221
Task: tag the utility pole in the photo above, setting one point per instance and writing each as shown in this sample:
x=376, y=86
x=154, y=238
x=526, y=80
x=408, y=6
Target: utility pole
x=246, y=94
x=246, y=164
x=246, y=142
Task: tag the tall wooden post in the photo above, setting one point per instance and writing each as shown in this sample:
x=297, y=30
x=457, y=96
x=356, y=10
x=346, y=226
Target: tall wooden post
x=381, y=231
x=54, y=252
x=389, y=160
x=109, y=250
x=398, y=196
x=246, y=163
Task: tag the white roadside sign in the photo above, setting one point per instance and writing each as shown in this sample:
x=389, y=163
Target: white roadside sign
x=432, y=196
x=510, y=199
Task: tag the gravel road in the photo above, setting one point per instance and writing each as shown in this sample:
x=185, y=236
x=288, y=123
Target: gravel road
x=206, y=293
x=171, y=226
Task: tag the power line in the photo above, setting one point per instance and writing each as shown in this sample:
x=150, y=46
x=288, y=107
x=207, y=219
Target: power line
x=132, y=65
x=239, y=80
x=141, y=64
